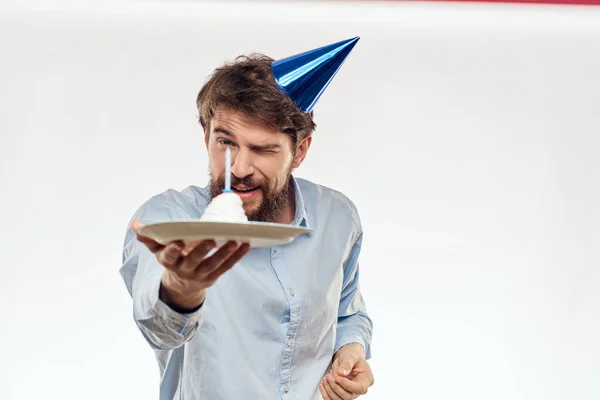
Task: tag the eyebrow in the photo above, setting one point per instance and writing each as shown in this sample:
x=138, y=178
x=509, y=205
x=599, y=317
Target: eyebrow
x=223, y=131
x=254, y=147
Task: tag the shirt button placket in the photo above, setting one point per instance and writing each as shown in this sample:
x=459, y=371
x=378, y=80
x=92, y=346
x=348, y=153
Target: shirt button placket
x=294, y=321
x=295, y=312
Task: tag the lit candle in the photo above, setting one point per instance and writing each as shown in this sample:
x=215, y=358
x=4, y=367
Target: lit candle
x=228, y=169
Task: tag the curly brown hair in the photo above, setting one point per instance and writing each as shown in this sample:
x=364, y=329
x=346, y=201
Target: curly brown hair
x=247, y=86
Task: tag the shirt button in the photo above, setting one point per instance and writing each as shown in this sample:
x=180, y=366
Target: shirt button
x=292, y=292
x=290, y=342
x=275, y=249
x=286, y=388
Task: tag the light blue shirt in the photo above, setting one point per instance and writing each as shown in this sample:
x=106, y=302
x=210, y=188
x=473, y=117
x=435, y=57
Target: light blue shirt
x=270, y=326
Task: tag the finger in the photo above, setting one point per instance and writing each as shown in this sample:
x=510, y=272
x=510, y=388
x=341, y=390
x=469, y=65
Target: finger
x=366, y=381
x=151, y=244
x=323, y=392
x=210, y=264
x=332, y=395
x=340, y=391
x=195, y=257
x=230, y=262
x=189, y=246
x=170, y=255
x=357, y=388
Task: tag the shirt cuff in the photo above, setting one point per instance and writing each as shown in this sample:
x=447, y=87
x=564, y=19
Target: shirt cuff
x=178, y=322
x=347, y=339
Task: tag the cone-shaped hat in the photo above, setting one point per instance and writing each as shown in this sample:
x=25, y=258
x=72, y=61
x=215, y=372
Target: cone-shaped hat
x=304, y=77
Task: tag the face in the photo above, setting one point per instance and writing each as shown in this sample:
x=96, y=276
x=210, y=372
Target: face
x=262, y=161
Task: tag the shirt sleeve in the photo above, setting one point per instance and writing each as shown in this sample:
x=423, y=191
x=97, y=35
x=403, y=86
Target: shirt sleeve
x=354, y=324
x=162, y=327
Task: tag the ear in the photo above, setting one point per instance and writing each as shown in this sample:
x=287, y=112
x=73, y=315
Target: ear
x=301, y=151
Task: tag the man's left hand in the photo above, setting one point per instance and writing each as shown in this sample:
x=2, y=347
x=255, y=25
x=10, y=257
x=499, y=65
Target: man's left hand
x=351, y=374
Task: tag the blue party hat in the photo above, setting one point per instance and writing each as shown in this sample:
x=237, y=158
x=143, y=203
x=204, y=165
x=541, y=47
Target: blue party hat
x=304, y=77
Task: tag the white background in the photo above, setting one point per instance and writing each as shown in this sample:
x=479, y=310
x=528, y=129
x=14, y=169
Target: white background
x=468, y=136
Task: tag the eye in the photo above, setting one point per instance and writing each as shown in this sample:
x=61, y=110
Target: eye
x=265, y=149
x=224, y=142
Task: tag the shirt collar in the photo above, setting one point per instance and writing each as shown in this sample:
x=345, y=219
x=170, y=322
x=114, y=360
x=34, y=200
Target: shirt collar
x=301, y=218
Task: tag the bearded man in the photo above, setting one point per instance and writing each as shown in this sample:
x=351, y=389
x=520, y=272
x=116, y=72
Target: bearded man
x=235, y=322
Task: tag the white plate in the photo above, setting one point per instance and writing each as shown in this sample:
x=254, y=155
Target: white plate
x=258, y=234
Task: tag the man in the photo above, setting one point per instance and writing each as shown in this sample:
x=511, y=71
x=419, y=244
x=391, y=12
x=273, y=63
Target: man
x=287, y=322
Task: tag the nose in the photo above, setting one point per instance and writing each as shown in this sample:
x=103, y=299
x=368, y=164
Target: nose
x=241, y=164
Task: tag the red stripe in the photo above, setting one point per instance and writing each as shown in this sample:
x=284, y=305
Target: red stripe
x=563, y=2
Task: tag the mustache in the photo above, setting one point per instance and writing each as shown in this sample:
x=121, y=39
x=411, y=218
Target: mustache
x=247, y=181
x=235, y=181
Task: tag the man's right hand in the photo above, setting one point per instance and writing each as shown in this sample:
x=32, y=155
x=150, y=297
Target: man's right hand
x=186, y=278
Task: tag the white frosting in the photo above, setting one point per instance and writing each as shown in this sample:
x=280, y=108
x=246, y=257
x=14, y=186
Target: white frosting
x=226, y=207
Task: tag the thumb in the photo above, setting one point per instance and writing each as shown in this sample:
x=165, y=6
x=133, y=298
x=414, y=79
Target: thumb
x=346, y=363
x=135, y=225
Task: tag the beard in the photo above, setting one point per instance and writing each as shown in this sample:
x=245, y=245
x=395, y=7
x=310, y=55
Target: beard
x=273, y=200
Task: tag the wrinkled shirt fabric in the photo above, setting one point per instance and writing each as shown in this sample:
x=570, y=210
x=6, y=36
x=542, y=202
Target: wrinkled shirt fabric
x=270, y=326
